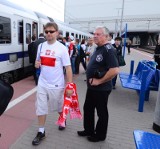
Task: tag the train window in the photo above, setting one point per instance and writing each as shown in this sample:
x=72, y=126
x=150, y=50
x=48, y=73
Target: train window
x=80, y=37
x=72, y=34
x=67, y=34
x=1, y=27
x=28, y=33
x=20, y=32
x=76, y=35
x=35, y=29
x=5, y=30
x=60, y=32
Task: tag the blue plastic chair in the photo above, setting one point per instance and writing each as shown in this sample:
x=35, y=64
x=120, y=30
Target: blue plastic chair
x=134, y=76
x=151, y=63
x=141, y=85
x=146, y=140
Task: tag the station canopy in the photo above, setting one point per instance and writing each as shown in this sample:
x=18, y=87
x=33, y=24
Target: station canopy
x=140, y=15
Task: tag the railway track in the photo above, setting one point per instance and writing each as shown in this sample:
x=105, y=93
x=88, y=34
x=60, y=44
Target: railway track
x=151, y=51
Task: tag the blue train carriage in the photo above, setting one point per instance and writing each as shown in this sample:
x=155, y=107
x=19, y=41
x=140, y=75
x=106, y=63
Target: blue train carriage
x=17, y=25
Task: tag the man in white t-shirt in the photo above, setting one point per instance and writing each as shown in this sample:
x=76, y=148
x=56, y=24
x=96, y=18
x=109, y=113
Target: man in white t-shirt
x=111, y=40
x=52, y=56
x=91, y=48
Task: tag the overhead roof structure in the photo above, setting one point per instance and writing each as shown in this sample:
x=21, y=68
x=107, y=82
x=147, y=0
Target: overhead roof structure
x=140, y=15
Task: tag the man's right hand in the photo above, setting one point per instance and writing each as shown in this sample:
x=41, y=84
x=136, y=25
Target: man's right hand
x=37, y=64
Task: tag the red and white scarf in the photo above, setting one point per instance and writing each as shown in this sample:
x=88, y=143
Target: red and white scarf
x=71, y=105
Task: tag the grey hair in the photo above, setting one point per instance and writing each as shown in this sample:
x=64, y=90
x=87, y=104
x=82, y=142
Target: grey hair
x=105, y=29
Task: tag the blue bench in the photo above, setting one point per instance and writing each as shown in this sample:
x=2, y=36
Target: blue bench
x=155, y=82
x=146, y=140
x=140, y=81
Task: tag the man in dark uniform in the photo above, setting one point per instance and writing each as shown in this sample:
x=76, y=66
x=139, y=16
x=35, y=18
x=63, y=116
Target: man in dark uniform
x=31, y=55
x=103, y=66
x=41, y=39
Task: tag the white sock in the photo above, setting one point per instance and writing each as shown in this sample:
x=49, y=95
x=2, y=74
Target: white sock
x=41, y=129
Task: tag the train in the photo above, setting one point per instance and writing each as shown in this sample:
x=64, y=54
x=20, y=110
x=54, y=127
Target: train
x=144, y=39
x=17, y=25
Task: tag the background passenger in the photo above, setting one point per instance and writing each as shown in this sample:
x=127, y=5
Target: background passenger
x=157, y=54
x=129, y=46
x=118, y=47
x=31, y=56
x=90, y=49
x=41, y=39
x=83, y=54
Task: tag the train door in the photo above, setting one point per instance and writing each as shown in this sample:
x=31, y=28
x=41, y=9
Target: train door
x=26, y=39
x=29, y=28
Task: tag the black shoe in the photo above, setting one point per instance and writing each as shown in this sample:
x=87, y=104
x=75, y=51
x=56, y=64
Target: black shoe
x=114, y=87
x=95, y=138
x=83, y=133
x=61, y=127
x=40, y=136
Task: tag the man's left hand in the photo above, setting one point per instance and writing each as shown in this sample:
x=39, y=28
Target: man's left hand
x=69, y=92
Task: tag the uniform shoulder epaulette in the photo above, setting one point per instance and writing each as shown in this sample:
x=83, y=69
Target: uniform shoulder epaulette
x=108, y=46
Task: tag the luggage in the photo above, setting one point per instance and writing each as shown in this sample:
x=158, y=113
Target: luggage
x=6, y=93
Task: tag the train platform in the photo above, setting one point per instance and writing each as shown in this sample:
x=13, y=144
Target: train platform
x=18, y=125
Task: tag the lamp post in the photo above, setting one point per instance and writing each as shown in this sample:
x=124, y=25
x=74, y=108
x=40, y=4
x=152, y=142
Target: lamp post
x=121, y=18
x=116, y=23
x=149, y=24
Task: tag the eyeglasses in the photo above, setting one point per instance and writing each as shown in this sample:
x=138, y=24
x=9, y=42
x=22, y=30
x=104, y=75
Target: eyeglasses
x=50, y=31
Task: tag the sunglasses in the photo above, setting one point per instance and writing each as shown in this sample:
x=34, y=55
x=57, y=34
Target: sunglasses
x=50, y=31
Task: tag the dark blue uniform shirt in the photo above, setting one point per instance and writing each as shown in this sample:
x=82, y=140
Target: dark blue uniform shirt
x=101, y=61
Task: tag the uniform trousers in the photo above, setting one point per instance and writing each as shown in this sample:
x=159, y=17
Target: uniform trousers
x=96, y=100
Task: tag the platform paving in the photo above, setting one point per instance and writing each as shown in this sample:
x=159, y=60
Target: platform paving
x=124, y=118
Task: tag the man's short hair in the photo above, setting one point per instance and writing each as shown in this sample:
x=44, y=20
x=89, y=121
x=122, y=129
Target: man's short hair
x=118, y=38
x=77, y=40
x=105, y=29
x=65, y=38
x=90, y=38
x=33, y=38
x=60, y=32
x=51, y=24
x=41, y=35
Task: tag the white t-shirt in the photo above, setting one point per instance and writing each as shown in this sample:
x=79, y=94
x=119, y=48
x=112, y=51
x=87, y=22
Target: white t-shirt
x=53, y=57
x=83, y=47
x=112, y=41
x=91, y=49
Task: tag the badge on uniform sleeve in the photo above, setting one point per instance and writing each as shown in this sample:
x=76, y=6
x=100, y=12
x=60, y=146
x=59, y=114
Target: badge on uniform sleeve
x=108, y=46
x=99, y=58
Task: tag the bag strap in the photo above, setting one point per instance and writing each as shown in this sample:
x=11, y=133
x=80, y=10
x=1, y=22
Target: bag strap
x=40, y=51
